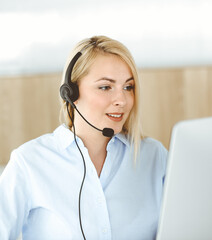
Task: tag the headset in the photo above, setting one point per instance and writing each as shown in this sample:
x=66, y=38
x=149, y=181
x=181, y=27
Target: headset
x=69, y=92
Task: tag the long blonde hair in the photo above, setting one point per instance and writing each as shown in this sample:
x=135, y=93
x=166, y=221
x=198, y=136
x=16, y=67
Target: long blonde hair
x=105, y=45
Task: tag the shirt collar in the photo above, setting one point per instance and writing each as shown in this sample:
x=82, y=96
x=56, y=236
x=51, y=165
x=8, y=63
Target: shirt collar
x=66, y=137
x=123, y=138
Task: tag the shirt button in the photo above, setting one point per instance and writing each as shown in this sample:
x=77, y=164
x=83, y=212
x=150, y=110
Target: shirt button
x=104, y=230
x=99, y=200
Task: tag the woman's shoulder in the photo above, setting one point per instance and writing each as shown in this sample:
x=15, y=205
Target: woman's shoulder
x=47, y=141
x=152, y=149
x=152, y=143
x=38, y=142
x=147, y=143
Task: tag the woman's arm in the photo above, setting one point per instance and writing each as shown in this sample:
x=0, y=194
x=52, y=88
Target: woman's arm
x=14, y=199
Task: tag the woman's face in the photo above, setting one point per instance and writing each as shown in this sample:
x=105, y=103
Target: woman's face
x=106, y=94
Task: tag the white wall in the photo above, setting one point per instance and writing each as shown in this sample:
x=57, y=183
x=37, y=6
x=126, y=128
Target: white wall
x=37, y=35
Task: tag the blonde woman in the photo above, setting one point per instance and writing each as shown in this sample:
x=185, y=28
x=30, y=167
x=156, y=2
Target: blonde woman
x=95, y=176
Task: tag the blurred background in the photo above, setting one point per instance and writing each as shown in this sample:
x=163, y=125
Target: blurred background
x=169, y=39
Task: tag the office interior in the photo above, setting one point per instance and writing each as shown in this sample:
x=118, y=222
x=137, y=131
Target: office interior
x=170, y=42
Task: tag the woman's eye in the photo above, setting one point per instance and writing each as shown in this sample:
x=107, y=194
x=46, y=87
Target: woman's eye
x=129, y=87
x=104, y=88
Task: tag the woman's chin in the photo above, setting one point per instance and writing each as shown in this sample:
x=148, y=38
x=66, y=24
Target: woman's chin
x=117, y=130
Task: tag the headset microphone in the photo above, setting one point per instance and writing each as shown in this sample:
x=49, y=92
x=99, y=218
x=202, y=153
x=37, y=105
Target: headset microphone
x=69, y=91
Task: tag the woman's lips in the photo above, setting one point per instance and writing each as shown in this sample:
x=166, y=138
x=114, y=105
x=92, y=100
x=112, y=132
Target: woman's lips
x=117, y=117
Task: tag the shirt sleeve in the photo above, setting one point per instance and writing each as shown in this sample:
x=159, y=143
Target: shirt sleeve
x=163, y=157
x=14, y=198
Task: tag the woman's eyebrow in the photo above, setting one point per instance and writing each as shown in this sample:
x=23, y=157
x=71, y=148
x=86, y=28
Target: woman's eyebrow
x=129, y=79
x=112, y=80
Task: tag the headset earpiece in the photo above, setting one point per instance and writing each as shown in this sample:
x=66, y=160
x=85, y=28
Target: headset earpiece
x=69, y=92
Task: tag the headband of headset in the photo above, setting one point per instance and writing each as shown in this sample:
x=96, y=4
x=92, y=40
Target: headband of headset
x=69, y=91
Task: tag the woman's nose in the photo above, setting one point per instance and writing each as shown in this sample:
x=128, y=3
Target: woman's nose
x=119, y=99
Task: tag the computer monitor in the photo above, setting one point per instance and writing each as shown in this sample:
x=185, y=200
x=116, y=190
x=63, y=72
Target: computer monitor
x=186, y=212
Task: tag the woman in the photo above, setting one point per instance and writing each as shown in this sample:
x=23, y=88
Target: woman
x=76, y=182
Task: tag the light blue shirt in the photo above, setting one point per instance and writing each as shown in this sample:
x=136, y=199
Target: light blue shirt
x=39, y=190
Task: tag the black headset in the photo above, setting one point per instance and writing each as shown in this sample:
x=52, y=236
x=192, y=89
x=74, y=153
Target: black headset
x=69, y=92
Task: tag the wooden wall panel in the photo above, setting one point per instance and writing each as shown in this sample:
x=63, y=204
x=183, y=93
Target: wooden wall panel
x=161, y=102
x=29, y=105
x=172, y=95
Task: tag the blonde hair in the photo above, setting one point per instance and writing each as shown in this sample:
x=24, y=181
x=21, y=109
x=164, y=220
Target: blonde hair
x=104, y=45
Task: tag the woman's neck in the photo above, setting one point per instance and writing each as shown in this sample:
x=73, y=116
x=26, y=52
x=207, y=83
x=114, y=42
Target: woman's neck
x=96, y=144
